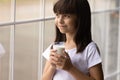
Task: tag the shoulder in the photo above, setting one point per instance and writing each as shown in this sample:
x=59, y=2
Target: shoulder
x=91, y=46
x=93, y=54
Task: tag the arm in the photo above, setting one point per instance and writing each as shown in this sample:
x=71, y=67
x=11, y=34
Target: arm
x=95, y=73
x=48, y=72
x=50, y=66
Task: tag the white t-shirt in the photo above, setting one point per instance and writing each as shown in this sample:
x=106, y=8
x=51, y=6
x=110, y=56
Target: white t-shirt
x=82, y=61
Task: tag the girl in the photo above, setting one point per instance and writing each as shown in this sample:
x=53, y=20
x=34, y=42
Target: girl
x=81, y=59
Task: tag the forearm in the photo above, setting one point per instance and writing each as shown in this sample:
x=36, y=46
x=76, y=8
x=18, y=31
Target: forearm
x=48, y=75
x=78, y=75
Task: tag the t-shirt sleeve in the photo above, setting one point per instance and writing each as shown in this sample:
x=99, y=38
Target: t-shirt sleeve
x=94, y=57
x=46, y=53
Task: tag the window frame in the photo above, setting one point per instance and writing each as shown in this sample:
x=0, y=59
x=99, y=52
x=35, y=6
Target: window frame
x=43, y=19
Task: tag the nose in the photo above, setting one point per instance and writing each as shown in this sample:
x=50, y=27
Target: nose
x=61, y=19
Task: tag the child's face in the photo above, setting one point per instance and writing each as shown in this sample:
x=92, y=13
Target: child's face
x=66, y=23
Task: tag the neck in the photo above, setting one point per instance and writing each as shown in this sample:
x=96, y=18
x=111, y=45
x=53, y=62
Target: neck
x=69, y=37
x=69, y=42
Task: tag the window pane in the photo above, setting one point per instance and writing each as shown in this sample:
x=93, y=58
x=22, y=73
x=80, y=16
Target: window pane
x=5, y=11
x=49, y=36
x=49, y=33
x=97, y=5
x=49, y=8
x=105, y=28
x=117, y=3
x=26, y=51
x=4, y=59
x=27, y=9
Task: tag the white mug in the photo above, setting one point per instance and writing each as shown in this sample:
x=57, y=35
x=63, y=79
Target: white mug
x=59, y=48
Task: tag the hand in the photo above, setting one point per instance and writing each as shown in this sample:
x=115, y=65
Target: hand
x=64, y=62
x=61, y=61
x=53, y=58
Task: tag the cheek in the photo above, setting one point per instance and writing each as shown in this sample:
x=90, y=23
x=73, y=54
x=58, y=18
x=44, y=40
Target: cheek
x=72, y=23
x=56, y=21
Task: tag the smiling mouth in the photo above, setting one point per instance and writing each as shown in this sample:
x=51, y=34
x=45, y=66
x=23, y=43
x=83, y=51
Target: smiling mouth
x=61, y=26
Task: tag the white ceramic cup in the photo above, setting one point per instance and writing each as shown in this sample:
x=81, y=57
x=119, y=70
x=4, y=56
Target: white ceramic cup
x=59, y=48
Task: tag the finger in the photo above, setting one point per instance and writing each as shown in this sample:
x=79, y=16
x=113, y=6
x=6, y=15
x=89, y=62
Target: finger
x=53, y=51
x=54, y=58
x=66, y=56
x=59, y=63
x=53, y=62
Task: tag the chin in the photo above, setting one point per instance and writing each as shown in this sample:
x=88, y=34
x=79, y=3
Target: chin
x=63, y=32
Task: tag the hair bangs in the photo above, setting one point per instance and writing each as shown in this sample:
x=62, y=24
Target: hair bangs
x=65, y=7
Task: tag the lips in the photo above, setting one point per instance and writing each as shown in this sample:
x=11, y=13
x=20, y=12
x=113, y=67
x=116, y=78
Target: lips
x=61, y=25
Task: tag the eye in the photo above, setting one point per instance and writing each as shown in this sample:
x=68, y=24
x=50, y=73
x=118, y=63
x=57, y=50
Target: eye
x=67, y=15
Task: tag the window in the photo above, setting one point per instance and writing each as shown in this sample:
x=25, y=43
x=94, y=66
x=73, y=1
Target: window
x=106, y=32
x=26, y=30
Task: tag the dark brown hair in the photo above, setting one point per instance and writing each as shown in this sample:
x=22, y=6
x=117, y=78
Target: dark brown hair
x=81, y=9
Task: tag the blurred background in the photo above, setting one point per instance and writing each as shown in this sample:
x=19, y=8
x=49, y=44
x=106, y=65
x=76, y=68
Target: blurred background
x=27, y=28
